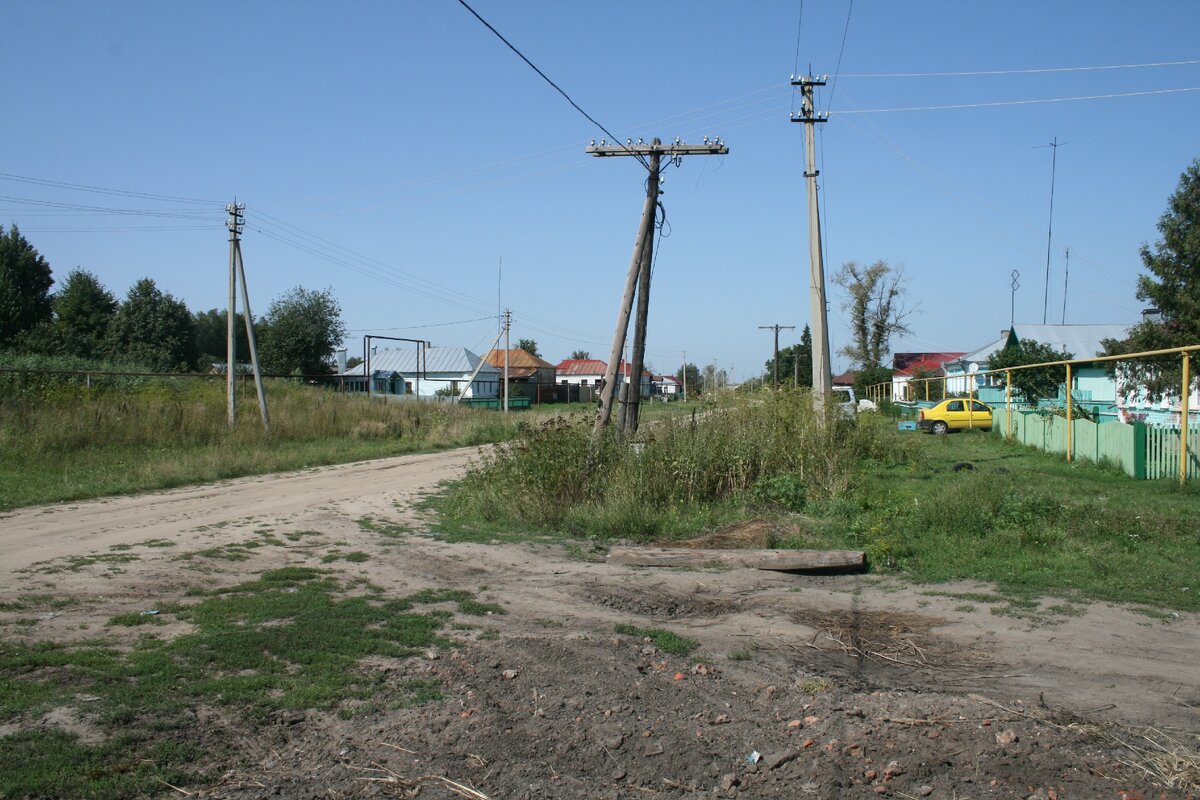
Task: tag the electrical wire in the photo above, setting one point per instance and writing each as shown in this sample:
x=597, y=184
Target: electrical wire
x=418, y=327
x=1032, y=71
x=139, y=212
x=1039, y=101
x=78, y=187
x=841, y=52
x=546, y=78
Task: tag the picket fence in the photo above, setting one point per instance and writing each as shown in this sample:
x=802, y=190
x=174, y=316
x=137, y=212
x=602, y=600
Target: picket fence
x=1142, y=451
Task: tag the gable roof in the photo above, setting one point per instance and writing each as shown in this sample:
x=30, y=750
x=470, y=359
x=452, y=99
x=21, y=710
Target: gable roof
x=458, y=360
x=1081, y=341
x=581, y=366
x=516, y=358
x=906, y=363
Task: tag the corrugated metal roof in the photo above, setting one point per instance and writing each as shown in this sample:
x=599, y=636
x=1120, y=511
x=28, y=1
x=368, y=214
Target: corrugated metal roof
x=926, y=361
x=455, y=360
x=581, y=366
x=1081, y=341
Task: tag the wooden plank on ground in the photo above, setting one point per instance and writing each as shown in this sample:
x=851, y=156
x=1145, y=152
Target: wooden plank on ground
x=779, y=560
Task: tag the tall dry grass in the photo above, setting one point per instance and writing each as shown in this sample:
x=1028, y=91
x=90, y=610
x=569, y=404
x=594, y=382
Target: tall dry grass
x=678, y=473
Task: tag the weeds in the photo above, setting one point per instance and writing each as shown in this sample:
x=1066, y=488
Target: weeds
x=664, y=640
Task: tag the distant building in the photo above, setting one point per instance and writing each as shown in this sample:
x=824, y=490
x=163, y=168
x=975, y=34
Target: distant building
x=528, y=375
x=399, y=372
x=905, y=364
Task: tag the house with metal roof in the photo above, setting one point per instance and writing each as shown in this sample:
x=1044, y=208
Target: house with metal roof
x=590, y=372
x=904, y=365
x=528, y=375
x=1093, y=386
x=428, y=372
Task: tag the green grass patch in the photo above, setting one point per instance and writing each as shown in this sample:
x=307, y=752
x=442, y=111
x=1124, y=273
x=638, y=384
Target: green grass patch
x=664, y=640
x=354, y=557
x=135, y=618
x=289, y=639
x=384, y=528
x=62, y=440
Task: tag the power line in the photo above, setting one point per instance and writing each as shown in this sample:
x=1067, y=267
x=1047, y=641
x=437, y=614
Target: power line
x=1025, y=102
x=546, y=78
x=841, y=52
x=1032, y=71
x=418, y=327
x=78, y=187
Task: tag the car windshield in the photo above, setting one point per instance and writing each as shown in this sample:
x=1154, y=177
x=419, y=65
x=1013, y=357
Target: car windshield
x=841, y=395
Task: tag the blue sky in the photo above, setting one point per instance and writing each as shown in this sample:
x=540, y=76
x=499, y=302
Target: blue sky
x=423, y=153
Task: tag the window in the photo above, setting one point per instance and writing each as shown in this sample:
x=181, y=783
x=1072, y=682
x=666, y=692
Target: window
x=978, y=406
x=955, y=405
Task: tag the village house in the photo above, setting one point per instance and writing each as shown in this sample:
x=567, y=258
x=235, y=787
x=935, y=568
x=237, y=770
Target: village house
x=442, y=371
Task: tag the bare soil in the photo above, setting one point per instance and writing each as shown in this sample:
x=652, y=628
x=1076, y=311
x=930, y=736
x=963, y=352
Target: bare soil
x=823, y=686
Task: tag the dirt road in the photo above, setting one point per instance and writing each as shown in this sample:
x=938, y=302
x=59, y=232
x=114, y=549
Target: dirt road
x=847, y=685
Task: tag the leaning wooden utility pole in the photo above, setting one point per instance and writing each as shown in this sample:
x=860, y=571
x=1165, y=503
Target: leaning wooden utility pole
x=777, y=328
x=633, y=390
x=822, y=374
x=654, y=151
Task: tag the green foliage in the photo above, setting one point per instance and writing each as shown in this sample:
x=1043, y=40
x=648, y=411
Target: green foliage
x=785, y=490
x=870, y=377
x=529, y=346
x=875, y=303
x=1032, y=384
x=664, y=640
x=24, y=286
x=211, y=336
x=151, y=327
x=83, y=310
x=1173, y=285
x=580, y=354
x=691, y=373
x=795, y=362
x=299, y=333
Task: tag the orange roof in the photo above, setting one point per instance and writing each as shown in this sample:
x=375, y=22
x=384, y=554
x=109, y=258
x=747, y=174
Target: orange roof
x=516, y=358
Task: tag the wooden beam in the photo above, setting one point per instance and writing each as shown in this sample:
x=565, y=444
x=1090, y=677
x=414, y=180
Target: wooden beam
x=778, y=560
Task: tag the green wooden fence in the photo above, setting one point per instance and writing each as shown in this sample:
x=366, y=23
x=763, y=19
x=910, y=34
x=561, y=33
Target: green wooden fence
x=1142, y=451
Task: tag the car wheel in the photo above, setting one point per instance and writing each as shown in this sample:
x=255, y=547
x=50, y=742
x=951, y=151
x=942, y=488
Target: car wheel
x=940, y=427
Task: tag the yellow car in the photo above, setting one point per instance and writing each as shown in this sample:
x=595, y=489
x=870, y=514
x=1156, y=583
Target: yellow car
x=956, y=414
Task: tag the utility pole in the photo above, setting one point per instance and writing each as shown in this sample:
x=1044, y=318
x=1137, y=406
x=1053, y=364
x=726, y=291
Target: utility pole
x=508, y=324
x=1012, y=298
x=777, y=329
x=651, y=155
x=822, y=373
x=1054, y=145
x=684, y=373
x=234, y=224
x=237, y=271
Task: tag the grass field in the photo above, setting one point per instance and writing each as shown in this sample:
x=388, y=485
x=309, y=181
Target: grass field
x=967, y=506
x=61, y=440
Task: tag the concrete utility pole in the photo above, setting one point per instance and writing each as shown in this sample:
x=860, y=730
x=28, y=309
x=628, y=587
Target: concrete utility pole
x=777, y=329
x=684, y=373
x=237, y=270
x=640, y=261
x=234, y=224
x=507, y=326
x=822, y=374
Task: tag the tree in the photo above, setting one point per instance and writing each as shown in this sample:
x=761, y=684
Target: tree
x=529, y=346
x=875, y=300
x=795, y=362
x=152, y=328
x=580, y=354
x=693, y=378
x=211, y=336
x=1173, y=287
x=299, y=333
x=1032, y=384
x=83, y=310
x=870, y=377
x=24, y=286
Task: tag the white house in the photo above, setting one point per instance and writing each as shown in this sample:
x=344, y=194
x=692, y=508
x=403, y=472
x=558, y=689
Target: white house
x=1093, y=384
x=400, y=372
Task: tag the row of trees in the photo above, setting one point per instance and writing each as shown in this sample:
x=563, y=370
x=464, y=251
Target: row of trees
x=149, y=327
